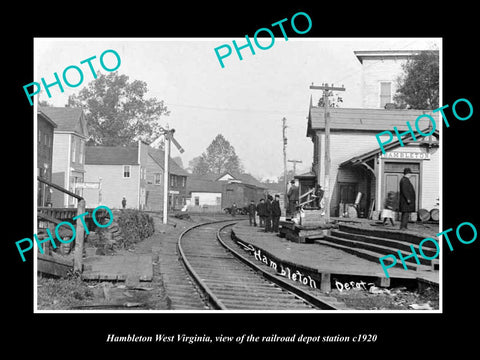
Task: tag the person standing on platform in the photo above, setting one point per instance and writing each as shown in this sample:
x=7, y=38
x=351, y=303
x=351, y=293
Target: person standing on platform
x=407, y=198
x=268, y=214
x=276, y=212
x=252, y=209
x=318, y=195
x=387, y=211
x=292, y=196
x=124, y=202
x=261, y=212
x=234, y=209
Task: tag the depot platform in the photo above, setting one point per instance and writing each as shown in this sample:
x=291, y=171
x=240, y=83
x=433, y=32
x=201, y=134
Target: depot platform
x=329, y=264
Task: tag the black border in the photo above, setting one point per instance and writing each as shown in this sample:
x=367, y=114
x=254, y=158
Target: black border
x=396, y=332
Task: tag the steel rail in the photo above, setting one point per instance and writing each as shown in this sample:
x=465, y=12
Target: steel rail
x=309, y=298
x=216, y=302
x=213, y=299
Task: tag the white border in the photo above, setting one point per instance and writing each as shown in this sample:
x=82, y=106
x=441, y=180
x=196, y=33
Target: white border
x=220, y=312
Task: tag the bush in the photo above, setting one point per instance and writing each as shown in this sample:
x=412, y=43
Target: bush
x=133, y=226
x=127, y=228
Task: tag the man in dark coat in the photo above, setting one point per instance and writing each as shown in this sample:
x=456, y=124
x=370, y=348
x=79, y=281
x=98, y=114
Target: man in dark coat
x=276, y=212
x=268, y=214
x=407, y=198
x=252, y=209
x=261, y=212
x=292, y=196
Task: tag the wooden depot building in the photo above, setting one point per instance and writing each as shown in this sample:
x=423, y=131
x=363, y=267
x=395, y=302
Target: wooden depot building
x=358, y=164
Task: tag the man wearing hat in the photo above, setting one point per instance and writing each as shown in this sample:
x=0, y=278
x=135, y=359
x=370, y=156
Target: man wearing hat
x=292, y=196
x=268, y=214
x=276, y=212
x=407, y=198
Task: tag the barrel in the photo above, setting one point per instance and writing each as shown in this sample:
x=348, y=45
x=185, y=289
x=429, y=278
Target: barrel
x=423, y=214
x=434, y=214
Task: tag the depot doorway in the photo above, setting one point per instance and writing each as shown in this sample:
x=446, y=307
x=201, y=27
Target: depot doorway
x=393, y=173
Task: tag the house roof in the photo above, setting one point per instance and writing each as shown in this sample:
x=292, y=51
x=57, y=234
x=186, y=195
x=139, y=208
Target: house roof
x=375, y=120
x=158, y=156
x=111, y=155
x=242, y=177
x=307, y=175
x=47, y=119
x=384, y=54
x=67, y=118
x=197, y=184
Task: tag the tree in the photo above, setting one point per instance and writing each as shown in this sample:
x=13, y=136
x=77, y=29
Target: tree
x=117, y=111
x=198, y=165
x=333, y=103
x=418, y=86
x=178, y=160
x=219, y=158
x=44, y=103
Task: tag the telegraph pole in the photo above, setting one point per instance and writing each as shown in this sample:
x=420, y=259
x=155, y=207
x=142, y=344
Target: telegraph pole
x=284, y=127
x=295, y=162
x=327, y=91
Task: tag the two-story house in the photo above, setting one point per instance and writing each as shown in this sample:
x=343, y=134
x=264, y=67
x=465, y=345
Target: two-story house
x=68, y=161
x=45, y=134
x=120, y=172
x=380, y=70
x=134, y=172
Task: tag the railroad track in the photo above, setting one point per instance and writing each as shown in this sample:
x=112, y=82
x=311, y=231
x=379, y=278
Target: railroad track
x=232, y=282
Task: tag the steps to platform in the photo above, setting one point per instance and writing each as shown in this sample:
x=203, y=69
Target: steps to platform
x=374, y=244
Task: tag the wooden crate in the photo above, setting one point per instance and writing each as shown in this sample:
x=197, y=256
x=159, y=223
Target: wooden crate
x=312, y=218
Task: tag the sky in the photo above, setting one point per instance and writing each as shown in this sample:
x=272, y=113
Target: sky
x=245, y=101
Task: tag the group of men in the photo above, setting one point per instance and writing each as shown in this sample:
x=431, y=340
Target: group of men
x=268, y=212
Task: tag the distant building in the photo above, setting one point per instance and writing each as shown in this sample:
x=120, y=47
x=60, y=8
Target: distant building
x=45, y=129
x=68, y=160
x=224, y=189
x=204, y=195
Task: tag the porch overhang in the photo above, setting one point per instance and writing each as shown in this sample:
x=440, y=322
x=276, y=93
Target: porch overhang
x=362, y=159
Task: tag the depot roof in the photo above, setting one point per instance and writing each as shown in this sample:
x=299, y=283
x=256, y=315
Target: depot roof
x=372, y=120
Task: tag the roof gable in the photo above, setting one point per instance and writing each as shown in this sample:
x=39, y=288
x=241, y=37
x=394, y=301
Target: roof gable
x=158, y=156
x=230, y=176
x=41, y=115
x=67, y=119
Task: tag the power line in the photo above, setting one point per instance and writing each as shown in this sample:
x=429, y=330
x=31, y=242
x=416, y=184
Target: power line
x=233, y=109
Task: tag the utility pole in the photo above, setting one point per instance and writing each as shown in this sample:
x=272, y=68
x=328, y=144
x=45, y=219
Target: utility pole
x=284, y=127
x=327, y=91
x=295, y=162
